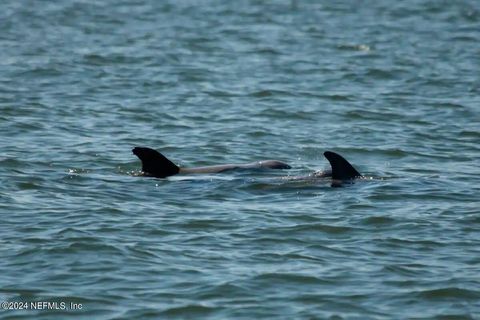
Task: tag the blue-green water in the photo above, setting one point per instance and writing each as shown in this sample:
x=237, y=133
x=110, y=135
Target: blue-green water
x=394, y=86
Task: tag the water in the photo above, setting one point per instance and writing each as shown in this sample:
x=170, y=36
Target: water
x=392, y=86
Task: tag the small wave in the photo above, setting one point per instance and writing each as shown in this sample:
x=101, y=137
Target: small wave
x=378, y=220
x=295, y=278
x=189, y=310
x=449, y=293
x=355, y=47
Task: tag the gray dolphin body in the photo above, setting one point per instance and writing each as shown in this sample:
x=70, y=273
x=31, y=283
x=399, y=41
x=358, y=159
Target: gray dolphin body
x=154, y=164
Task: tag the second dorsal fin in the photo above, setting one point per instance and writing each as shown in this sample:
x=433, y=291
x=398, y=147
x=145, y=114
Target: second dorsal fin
x=341, y=168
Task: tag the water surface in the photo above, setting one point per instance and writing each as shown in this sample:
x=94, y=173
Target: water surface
x=392, y=86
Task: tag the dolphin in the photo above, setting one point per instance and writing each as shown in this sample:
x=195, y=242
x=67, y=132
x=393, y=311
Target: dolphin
x=154, y=164
x=341, y=171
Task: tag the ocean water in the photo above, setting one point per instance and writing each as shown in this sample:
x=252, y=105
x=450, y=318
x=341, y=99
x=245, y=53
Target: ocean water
x=393, y=86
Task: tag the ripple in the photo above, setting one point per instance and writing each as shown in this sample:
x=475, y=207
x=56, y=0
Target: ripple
x=269, y=93
x=355, y=47
x=289, y=278
x=449, y=293
x=379, y=221
x=188, y=310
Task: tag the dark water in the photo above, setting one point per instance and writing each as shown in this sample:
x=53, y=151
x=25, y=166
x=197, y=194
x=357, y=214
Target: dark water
x=393, y=86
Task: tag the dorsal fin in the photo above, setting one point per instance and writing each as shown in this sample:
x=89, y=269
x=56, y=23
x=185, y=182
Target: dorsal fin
x=341, y=168
x=154, y=163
